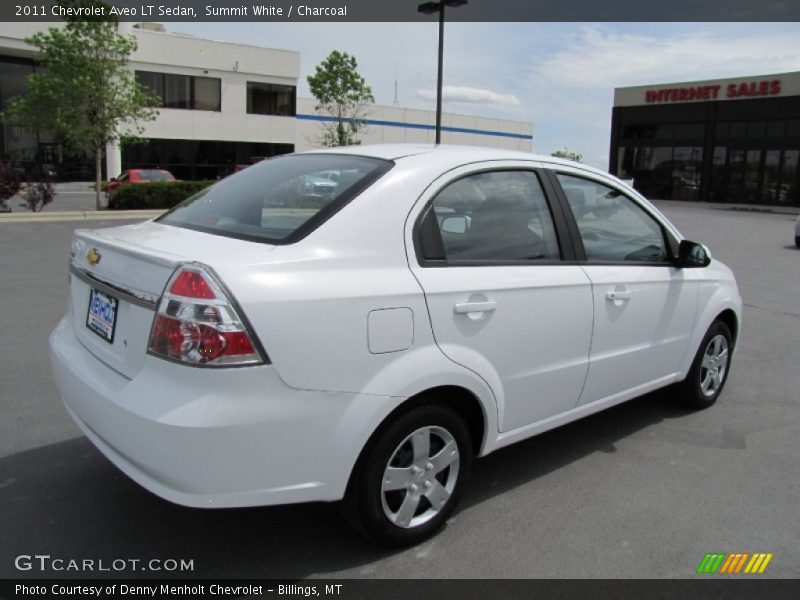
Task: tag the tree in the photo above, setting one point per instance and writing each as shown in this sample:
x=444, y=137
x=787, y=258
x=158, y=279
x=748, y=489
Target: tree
x=85, y=97
x=37, y=195
x=343, y=94
x=568, y=155
x=9, y=183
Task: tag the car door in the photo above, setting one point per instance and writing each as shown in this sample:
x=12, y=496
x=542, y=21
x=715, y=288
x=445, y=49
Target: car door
x=113, y=186
x=644, y=306
x=504, y=297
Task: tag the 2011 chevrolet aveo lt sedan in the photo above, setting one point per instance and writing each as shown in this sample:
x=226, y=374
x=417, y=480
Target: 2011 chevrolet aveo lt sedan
x=264, y=343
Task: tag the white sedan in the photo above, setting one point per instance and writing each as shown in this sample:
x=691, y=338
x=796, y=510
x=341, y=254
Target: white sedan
x=262, y=345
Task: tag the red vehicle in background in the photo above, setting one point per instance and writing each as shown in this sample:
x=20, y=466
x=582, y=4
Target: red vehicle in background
x=136, y=176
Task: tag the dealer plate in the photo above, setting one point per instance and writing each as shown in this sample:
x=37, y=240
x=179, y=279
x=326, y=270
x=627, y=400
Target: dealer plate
x=101, y=317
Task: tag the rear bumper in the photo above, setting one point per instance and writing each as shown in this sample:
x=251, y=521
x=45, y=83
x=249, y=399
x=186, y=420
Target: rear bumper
x=215, y=438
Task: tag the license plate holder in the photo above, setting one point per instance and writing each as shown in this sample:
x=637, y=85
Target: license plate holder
x=101, y=315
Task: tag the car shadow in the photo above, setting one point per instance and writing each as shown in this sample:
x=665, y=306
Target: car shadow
x=66, y=500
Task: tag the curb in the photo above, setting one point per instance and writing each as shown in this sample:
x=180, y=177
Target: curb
x=755, y=208
x=79, y=215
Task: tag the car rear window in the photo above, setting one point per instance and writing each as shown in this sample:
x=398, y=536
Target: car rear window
x=154, y=175
x=279, y=200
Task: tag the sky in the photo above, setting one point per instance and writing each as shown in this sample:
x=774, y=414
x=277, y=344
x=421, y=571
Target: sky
x=558, y=76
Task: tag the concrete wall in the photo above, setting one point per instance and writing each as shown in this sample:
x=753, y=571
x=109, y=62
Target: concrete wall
x=387, y=124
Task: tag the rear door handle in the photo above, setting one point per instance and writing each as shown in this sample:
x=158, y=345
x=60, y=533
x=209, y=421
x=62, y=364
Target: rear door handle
x=618, y=295
x=463, y=308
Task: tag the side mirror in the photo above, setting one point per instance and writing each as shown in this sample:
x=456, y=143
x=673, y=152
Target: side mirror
x=456, y=224
x=692, y=255
x=113, y=179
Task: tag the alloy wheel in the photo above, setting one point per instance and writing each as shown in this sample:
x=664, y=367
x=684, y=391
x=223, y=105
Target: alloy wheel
x=420, y=477
x=714, y=365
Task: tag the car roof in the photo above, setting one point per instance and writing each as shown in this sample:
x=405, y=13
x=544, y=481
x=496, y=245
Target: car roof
x=450, y=152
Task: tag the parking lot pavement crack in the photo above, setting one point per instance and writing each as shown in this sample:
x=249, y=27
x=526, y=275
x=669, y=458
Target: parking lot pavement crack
x=773, y=311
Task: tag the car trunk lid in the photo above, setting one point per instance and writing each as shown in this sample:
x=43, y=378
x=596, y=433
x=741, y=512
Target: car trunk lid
x=117, y=276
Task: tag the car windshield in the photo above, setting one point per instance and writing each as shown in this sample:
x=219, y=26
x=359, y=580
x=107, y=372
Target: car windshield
x=155, y=175
x=278, y=200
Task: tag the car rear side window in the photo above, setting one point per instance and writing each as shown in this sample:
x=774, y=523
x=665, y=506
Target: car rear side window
x=155, y=175
x=612, y=226
x=278, y=200
x=495, y=216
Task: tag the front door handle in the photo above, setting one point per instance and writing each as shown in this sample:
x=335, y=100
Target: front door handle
x=618, y=295
x=463, y=308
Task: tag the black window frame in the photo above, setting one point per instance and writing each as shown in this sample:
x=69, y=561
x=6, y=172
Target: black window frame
x=429, y=247
x=192, y=96
x=254, y=84
x=670, y=241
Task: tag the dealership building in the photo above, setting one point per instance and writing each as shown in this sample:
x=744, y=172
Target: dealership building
x=724, y=140
x=224, y=104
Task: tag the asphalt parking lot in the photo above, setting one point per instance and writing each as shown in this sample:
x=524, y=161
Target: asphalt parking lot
x=642, y=490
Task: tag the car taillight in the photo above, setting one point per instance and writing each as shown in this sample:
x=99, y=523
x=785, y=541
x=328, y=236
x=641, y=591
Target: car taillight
x=197, y=323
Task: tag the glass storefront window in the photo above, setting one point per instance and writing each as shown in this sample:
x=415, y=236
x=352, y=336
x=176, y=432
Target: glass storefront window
x=776, y=129
x=717, y=186
x=735, y=175
x=623, y=165
x=32, y=155
x=771, y=188
x=629, y=161
x=738, y=129
x=665, y=132
x=753, y=155
x=687, y=162
x=689, y=131
x=752, y=170
x=16, y=144
x=756, y=129
x=789, y=175
x=653, y=172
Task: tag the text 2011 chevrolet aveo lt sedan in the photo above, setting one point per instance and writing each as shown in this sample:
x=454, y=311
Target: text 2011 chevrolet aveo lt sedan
x=267, y=343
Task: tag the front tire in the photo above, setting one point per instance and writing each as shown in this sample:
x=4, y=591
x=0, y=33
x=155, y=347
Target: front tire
x=710, y=368
x=797, y=241
x=409, y=478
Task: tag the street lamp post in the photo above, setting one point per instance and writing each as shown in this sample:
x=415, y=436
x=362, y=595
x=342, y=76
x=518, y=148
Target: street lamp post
x=429, y=8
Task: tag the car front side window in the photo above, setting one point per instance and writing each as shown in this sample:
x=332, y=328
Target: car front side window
x=612, y=227
x=495, y=216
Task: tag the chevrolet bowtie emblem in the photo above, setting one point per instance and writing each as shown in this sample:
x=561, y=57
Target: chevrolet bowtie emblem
x=93, y=256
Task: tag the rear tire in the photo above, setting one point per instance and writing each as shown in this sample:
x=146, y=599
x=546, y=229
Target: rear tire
x=409, y=477
x=710, y=368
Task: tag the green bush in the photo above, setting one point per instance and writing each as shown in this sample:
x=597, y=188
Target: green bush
x=158, y=194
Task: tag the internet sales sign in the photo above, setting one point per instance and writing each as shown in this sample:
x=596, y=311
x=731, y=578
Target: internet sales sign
x=744, y=89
